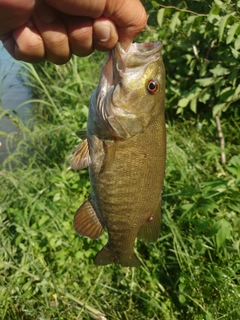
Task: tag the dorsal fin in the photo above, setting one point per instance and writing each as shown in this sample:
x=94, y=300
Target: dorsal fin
x=81, y=158
x=82, y=134
x=86, y=222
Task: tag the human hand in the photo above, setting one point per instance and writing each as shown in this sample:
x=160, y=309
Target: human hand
x=53, y=30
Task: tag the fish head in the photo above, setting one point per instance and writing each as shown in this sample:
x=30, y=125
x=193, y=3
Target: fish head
x=131, y=90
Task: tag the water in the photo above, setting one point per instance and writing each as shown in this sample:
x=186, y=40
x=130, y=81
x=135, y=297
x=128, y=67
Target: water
x=12, y=94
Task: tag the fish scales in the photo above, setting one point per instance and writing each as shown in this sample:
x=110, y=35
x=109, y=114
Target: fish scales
x=126, y=172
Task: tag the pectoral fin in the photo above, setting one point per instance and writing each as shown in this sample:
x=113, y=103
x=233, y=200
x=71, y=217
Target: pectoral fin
x=109, y=155
x=86, y=222
x=81, y=158
x=151, y=229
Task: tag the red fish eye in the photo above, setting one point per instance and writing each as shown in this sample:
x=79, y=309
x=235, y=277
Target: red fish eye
x=152, y=86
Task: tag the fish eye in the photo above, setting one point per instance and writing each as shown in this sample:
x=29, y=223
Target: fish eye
x=152, y=86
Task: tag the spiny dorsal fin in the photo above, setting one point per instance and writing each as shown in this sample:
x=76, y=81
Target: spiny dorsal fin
x=86, y=222
x=81, y=158
x=82, y=134
x=151, y=229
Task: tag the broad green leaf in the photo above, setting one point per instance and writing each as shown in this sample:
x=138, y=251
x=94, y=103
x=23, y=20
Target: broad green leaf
x=231, y=32
x=189, y=24
x=205, y=82
x=154, y=4
x=233, y=77
x=234, y=165
x=227, y=94
x=213, y=18
x=203, y=69
x=193, y=105
x=222, y=25
x=217, y=109
x=179, y=110
x=219, y=70
x=183, y=102
x=235, y=53
x=175, y=21
x=204, y=97
x=160, y=16
x=237, y=43
x=57, y=197
x=182, y=298
x=218, y=3
x=224, y=232
x=218, y=85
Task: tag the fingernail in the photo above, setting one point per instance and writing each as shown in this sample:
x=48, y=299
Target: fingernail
x=102, y=33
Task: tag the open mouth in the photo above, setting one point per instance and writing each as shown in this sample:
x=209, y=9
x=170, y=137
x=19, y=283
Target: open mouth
x=121, y=61
x=138, y=54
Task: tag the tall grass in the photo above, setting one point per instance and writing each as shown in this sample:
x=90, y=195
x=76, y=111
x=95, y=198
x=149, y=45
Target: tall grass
x=46, y=270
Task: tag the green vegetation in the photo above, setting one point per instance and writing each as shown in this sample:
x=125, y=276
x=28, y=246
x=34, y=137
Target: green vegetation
x=193, y=270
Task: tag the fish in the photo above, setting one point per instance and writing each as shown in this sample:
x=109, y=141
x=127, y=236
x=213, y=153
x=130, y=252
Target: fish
x=125, y=151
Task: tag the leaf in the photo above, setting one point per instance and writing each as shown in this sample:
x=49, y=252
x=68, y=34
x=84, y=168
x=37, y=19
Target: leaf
x=205, y=96
x=223, y=233
x=231, y=32
x=218, y=108
x=222, y=25
x=183, y=102
x=235, y=53
x=227, y=94
x=237, y=43
x=57, y=197
x=182, y=298
x=218, y=86
x=175, y=21
x=160, y=16
x=234, y=165
x=193, y=105
x=205, y=82
x=233, y=77
x=218, y=2
x=218, y=70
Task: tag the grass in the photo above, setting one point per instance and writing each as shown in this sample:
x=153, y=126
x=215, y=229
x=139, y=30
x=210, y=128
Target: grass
x=46, y=270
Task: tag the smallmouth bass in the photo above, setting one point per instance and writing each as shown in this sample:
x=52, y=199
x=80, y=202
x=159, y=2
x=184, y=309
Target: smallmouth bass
x=125, y=151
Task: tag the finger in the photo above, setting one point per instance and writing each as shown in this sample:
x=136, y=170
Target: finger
x=79, y=31
x=25, y=43
x=105, y=35
x=14, y=14
x=129, y=16
x=130, y=27
x=53, y=32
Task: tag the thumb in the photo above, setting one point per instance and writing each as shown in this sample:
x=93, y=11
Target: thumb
x=105, y=34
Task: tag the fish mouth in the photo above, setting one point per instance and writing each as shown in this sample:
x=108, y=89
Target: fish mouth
x=138, y=54
x=122, y=61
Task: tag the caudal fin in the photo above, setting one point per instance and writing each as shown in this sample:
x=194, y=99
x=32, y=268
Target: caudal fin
x=108, y=255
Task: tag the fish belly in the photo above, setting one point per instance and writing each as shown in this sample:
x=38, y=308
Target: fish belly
x=127, y=195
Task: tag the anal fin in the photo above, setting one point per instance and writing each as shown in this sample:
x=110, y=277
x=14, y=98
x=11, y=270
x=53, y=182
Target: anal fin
x=81, y=158
x=86, y=222
x=108, y=255
x=151, y=229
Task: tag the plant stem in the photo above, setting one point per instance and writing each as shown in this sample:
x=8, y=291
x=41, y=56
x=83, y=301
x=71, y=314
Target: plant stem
x=221, y=139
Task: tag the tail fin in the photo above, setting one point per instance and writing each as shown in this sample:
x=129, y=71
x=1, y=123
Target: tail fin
x=108, y=255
